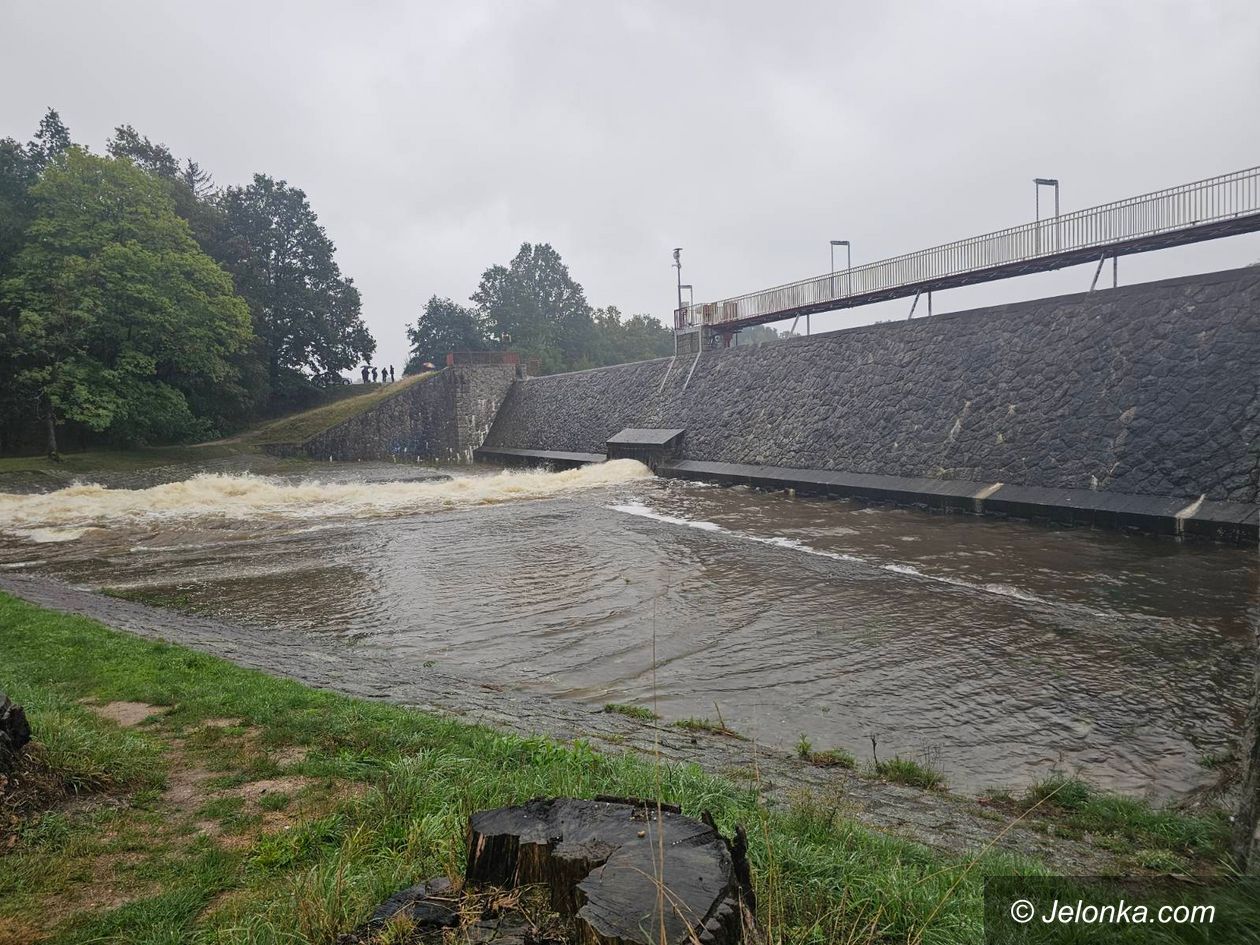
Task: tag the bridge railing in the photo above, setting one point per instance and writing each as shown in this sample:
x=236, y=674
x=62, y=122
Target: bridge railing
x=1162, y=211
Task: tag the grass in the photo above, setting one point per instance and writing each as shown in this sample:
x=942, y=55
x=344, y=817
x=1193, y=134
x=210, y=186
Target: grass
x=301, y=426
x=631, y=711
x=379, y=799
x=1146, y=833
x=832, y=758
x=72, y=465
x=919, y=774
x=415, y=779
x=345, y=401
x=706, y=725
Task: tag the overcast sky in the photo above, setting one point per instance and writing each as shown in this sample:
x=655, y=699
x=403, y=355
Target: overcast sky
x=433, y=139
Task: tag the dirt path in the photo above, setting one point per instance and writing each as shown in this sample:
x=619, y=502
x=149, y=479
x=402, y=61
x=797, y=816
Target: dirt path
x=942, y=821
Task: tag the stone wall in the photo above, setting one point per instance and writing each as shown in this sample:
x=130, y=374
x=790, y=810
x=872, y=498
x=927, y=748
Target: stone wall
x=443, y=417
x=1145, y=390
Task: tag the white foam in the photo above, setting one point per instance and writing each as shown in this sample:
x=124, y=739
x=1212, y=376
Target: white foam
x=54, y=516
x=795, y=544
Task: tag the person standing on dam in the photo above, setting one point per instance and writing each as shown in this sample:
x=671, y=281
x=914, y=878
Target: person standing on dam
x=391, y=374
x=365, y=374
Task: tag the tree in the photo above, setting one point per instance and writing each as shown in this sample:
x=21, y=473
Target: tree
x=304, y=310
x=154, y=158
x=198, y=181
x=51, y=140
x=117, y=313
x=20, y=167
x=535, y=305
x=444, y=326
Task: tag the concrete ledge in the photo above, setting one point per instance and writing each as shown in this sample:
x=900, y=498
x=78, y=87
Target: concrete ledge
x=557, y=459
x=1220, y=521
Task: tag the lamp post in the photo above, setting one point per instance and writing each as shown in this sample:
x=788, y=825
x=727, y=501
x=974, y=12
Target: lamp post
x=848, y=250
x=1038, y=183
x=678, y=266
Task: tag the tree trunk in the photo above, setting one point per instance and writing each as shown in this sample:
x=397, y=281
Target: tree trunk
x=1247, y=822
x=51, y=422
x=602, y=863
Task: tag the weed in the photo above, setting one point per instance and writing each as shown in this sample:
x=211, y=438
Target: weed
x=832, y=758
x=910, y=772
x=706, y=725
x=631, y=711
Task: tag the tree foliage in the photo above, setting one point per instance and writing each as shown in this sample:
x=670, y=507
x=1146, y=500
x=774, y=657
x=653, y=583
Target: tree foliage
x=443, y=327
x=118, y=313
x=306, y=313
x=535, y=306
x=140, y=303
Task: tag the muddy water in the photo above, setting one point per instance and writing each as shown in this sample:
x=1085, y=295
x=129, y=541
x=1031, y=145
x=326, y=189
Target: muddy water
x=998, y=650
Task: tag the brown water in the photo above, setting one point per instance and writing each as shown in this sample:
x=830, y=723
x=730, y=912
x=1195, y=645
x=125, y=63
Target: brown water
x=999, y=650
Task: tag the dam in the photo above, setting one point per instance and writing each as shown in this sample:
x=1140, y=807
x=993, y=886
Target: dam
x=1131, y=408
x=789, y=568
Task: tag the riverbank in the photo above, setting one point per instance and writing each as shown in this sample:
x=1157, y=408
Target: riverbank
x=267, y=791
x=178, y=794
x=337, y=404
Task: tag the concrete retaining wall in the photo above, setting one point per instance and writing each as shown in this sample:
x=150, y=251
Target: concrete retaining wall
x=444, y=417
x=1146, y=390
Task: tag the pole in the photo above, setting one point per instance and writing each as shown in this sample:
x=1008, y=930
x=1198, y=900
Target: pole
x=678, y=266
x=833, y=269
x=848, y=277
x=1058, y=243
x=1037, y=204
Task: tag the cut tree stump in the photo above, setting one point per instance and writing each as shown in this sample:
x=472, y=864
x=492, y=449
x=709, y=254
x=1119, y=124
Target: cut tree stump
x=14, y=733
x=601, y=861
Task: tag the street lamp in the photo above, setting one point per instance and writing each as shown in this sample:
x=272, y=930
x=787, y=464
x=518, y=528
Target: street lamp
x=1038, y=183
x=678, y=266
x=849, y=263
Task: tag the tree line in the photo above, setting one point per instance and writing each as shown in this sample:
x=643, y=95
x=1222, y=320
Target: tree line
x=140, y=303
x=534, y=306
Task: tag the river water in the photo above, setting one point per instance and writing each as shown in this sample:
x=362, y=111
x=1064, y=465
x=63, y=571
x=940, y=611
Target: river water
x=999, y=651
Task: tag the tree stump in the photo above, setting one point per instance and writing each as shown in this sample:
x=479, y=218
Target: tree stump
x=601, y=860
x=14, y=733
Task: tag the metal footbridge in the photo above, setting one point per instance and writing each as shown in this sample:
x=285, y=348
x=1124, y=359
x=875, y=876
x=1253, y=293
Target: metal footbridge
x=1205, y=210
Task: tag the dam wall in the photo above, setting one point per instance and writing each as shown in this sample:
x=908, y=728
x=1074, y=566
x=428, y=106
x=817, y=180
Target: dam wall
x=1147, y=390
x=442, y=418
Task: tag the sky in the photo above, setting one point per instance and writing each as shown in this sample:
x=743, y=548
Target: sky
x=432, y=139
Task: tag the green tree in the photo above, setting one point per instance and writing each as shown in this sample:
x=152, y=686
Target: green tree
x=154, y=158
x=534, y=305
x=20, y=167
x=117, y=314
x=306, y=313
x=637, y=338
x=444, y=326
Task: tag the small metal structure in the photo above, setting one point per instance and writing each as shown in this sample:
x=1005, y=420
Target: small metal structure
x=1204, y=210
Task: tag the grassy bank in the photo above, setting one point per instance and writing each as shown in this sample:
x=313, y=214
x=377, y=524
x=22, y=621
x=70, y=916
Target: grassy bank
x=174, y=797
x=343, y=402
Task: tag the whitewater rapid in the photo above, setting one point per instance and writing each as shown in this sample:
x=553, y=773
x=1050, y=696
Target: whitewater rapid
x=66, y=514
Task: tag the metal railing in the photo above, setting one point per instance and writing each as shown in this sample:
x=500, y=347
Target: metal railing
x=1163, y=211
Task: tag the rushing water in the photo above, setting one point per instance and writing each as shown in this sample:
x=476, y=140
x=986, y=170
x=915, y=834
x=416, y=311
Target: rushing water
x=1001, y=650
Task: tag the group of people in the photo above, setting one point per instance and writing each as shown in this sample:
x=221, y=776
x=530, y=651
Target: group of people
x=386, y=374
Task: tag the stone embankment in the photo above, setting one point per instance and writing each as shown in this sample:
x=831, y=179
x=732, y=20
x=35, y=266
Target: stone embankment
x=441, y=418
x=1145, y=396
